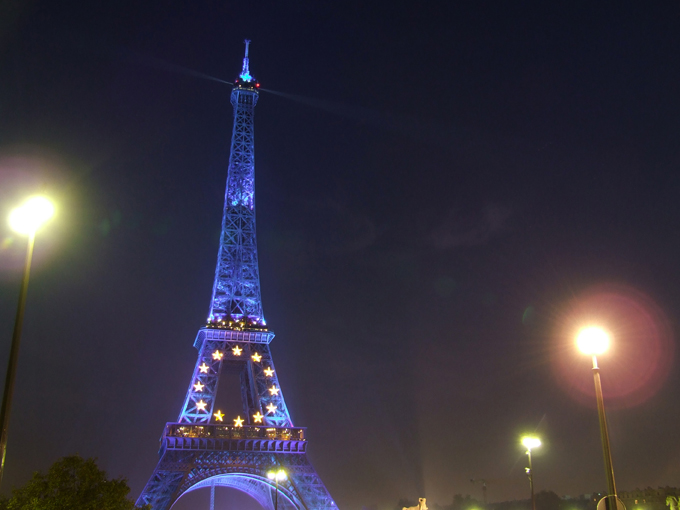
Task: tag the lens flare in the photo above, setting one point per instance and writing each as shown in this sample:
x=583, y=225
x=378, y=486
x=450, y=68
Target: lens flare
x=26, y=172
x=531, y=442
x=632, y=340
x=592, y=340
x=28, y=218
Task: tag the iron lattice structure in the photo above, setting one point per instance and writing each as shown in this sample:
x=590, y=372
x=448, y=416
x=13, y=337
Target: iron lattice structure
x=201, y=450
x=236, y=291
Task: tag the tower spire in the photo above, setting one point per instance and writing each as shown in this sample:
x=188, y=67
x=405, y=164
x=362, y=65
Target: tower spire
x=245, y=73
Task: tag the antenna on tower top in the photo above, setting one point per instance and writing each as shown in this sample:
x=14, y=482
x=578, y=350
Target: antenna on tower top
x=245, y=74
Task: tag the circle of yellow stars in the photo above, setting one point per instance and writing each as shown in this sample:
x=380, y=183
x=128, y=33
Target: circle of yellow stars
x=217, y=355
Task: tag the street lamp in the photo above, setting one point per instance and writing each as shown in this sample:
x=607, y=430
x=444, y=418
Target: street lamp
x=529, y=443
x=278, y=475
x=25, y=220
x=593, y=341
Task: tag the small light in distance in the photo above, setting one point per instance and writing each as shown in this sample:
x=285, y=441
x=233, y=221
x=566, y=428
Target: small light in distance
x=530, y=442
x=277, y=475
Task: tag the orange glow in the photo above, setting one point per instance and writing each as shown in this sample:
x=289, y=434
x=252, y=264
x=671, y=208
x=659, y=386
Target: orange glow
x=639, y=356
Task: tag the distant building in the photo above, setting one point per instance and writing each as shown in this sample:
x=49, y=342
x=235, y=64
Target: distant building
x=648, y=499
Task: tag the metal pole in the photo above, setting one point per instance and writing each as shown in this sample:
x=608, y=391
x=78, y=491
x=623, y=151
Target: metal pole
x=604, y=435
x=14, y=356
x=276, y=497
x=531, y=481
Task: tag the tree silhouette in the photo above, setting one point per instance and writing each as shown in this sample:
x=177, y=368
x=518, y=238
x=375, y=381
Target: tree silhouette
x=71, y=483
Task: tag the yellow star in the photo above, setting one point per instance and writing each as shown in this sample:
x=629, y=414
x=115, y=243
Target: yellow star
x=198, y=386
x=271, y=408
x=219, y=415
x=201, y=405
x=268, y=372
x=257, y=357
x=258, y=417
x=217, y=355
x=204, y=368
x=237, y=351
x=274, y=390
x=238, y=422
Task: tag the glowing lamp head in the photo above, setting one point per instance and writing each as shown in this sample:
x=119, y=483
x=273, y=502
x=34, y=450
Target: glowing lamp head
x=592, y=341
x=277, y=475
x=29, y=217
x=530, y=442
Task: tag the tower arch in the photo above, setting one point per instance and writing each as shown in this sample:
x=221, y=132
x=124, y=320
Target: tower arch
x=259, y=487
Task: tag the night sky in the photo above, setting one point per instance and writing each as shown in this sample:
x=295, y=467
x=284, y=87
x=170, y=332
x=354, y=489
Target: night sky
x=445, y=191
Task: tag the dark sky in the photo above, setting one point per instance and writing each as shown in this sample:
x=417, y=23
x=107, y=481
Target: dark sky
x=444, y=190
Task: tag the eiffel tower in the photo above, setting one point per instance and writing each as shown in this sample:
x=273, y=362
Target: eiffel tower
x=204, y=448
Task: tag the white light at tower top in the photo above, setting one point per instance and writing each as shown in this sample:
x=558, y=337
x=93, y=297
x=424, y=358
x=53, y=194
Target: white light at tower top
x=245, y=73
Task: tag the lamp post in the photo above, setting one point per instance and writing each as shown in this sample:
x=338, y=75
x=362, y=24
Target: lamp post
x=593, y=341
x=25, y=220
x=529, y=443
x=278, y=475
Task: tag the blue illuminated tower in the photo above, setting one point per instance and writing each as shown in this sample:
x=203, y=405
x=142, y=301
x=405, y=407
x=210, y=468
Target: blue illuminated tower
x=206, y=448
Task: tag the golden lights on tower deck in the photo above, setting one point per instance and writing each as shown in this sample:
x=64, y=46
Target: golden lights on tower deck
x=242, y=324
